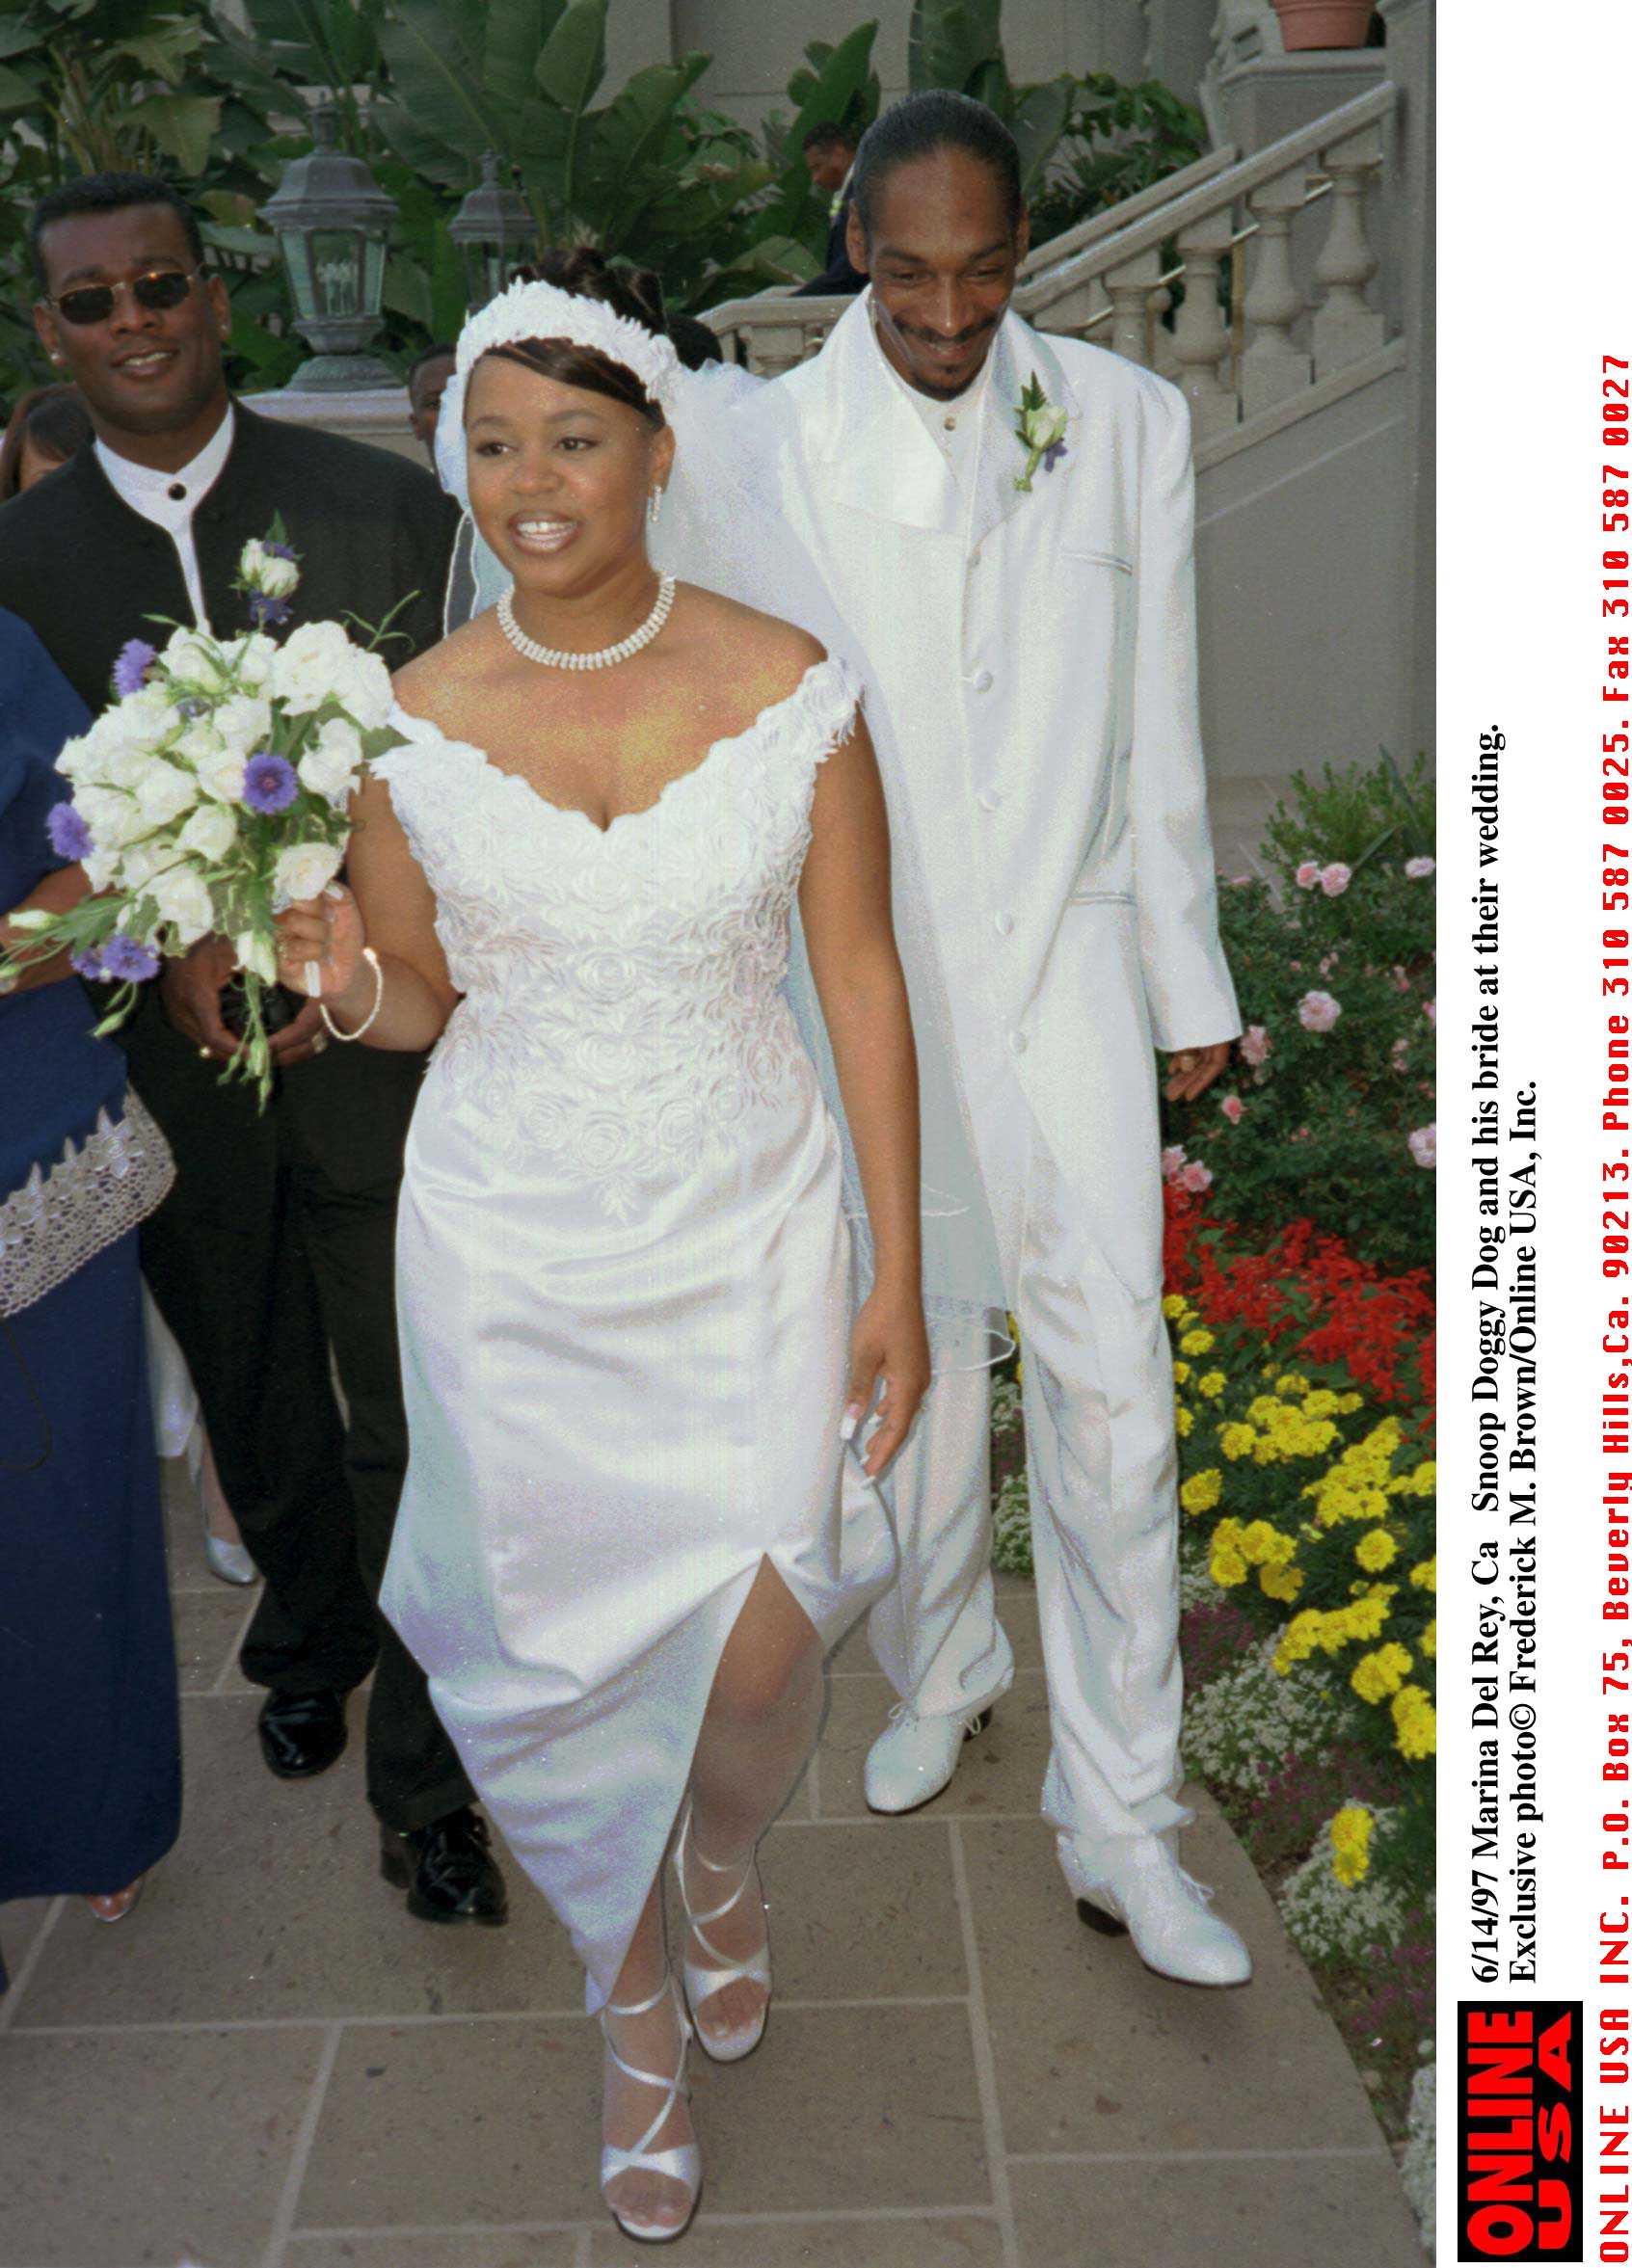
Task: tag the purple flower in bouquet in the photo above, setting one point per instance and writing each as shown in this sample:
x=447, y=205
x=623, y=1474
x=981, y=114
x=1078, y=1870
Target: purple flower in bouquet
x=87, y=962
x=270, y=785
x=70, y=837
x=128, y=960
x=266, y=613
x=134, y=659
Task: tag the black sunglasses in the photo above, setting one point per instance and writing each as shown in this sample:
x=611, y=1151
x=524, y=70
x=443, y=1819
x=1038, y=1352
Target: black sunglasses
x=157, y=289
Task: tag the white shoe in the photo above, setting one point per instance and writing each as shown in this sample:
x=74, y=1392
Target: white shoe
x=228, y=1563
x=1147, y=1893
x=682, y=2164
x=914, y=1757
x=701, y=1984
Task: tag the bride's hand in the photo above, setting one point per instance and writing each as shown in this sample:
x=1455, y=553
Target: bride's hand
x=322, y=936
x=888, y=1338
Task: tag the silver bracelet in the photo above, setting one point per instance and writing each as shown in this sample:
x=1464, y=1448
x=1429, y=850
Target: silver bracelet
x=335, y=1031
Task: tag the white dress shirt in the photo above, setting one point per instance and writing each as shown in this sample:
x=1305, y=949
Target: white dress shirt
x=170, y=499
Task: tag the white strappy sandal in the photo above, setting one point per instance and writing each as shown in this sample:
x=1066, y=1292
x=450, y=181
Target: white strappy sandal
x=684, y=2162
x=701, y=1984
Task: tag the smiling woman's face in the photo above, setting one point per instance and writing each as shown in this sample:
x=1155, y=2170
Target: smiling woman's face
x=559, y=476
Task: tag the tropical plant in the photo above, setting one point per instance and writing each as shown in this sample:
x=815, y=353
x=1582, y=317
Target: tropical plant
x=958, y=43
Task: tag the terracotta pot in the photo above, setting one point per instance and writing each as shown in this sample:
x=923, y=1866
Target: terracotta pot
x=1323, y=23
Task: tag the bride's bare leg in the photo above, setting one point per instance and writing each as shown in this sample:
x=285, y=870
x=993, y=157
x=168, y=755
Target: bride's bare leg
x=760, y=1726
x=651, y=2043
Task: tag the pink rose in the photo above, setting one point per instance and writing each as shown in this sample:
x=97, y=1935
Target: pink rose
x=1430, y=1010
x=1308, y=875
x=1318, y=1011
x=1172, y=1159
x=1334, y=879
x=1232, y=1107
x=1254, y=1044
x=1417, y=870
x=1421, y=1145
x=1196, y=1178
x=1328, y=962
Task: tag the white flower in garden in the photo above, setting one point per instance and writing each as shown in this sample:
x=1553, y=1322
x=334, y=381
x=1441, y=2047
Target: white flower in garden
x=244, y=722
x=164, y=791
x=1424, y=1145
x=1418, y=869
x=183, y=899
x=210, y=832
x=1254, y=1044
x=255, y=953
x=266, y=571
x=330, y=765
x=1318, y=1011
x=1335, y=878
x=1172, y=1159
x=1308, y=875
x=306, y=867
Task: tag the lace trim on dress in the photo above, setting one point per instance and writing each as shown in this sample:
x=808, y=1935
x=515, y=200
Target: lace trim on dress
x=96, y=1192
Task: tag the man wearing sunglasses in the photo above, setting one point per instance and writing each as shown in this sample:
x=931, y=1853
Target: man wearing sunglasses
x=276, y=1244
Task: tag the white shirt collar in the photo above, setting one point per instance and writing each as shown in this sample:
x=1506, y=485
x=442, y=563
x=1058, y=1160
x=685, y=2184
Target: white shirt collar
x=151, y=493
x=951, y=423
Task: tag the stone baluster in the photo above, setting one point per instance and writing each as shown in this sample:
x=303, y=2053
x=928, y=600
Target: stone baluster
x=776, y=347
x=1344, y=327
x=1130, y=288
x=1271, y=366
x=1200, y=339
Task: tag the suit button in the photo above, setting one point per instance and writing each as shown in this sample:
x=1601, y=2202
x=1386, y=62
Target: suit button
x=981, y=681
x=1003, y=924
x=989, y=798
x=1017, y=1042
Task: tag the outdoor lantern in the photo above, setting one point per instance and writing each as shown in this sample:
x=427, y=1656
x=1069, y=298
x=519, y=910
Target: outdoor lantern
x=332, y=222
x=490, y=229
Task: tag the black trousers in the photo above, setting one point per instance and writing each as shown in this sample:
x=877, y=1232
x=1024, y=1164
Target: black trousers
x=276, y=1245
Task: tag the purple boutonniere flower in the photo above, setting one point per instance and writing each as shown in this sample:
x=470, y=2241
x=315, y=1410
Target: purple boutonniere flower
x=270, y=785
x=128, y=960
x=70, y=837
x=131, y=666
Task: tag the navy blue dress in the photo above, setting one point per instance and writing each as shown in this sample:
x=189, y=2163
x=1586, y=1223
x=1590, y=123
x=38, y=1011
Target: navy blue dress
x=90, y=1743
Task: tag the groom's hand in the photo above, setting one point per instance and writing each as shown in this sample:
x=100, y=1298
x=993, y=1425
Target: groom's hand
x=1192, y=1071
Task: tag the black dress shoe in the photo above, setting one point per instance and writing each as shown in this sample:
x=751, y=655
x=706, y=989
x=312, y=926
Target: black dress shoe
x=302, y=1734
x=446, y=1869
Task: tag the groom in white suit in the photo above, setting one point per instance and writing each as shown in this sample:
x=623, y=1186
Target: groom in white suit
x=1027, y=614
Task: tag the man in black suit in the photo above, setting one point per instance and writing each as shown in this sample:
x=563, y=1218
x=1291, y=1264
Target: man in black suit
x=830, y=153
x=276, y=1245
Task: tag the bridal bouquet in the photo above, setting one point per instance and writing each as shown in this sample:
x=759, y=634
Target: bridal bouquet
x=212, y=794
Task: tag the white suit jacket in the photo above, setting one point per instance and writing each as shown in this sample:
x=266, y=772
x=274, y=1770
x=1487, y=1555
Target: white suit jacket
x=1034, y=656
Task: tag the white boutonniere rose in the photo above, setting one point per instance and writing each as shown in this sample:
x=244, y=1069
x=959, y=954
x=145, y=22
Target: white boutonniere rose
x=1040, y=427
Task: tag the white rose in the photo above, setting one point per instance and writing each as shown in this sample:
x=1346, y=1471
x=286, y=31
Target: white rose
x=255, y=954
x=141, y=861
x=311, y=666
x=192, y=660
x=218, y=768
x=111, y=815
x=164, y=791
x=251, y=658
x=210, y=832
x=183, y=899
x=1048, y=426
x=101, y=868
x=330, y=765
x=366, y=694
x=306, y=867
x=263, y=571
x=244, y=722
x=77, y=759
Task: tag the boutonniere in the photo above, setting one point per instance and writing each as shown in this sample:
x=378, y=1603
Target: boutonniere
x=1039, y=427
x=834, y=202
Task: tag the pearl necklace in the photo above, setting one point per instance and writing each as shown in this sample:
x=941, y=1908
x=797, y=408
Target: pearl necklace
x=605, y=657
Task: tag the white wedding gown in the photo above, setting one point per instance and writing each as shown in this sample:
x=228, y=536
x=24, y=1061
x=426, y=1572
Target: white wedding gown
x=624, y=1289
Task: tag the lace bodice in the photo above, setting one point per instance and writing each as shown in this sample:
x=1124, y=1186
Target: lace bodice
x=621, y=1010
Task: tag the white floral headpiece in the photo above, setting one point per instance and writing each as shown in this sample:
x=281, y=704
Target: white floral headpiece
x=544, y=310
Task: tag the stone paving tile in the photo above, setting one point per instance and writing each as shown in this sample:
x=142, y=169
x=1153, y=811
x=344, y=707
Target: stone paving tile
x=462, y=2249
x=1093, y=2053
x=954, y=2240
x=21, y=1920
x=840, y=2108
x=1000, y=1770
x=271, y=1905
x=207, y=1625
x=1215, y=2213
x=159, y=2146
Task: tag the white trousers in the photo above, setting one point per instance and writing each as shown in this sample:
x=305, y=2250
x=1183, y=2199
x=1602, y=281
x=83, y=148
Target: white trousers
x=1101, y=1469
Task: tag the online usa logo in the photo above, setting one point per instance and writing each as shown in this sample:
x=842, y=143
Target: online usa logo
x=1518, y=2130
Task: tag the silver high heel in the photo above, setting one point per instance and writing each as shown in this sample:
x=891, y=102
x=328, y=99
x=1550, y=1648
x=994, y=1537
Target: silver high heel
x=684, y=2162
x=228, y=1562
x=701, y=1984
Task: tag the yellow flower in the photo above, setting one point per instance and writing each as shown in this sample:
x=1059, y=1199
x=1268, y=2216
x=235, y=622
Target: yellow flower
x=1292, y=1382
x=1352, y=1843
x=1348, y=1404
x=1236, y=1441
x=1261, y=1408
x=1280, y=1583
x=1180, y=1371
x=1423, y=1573
x=1416, y=1728
x=1203, y=1490
x=1299, y=1639
x=1321, y=1403
x=1429, y=1640
x=1210, y=1383
x=1227, y=1567
x=1183, y=1420
x=1174, y=1306
x=1376, y=1549
x=1264, y=1545
x=1377, y=1675
x=1196, y=1342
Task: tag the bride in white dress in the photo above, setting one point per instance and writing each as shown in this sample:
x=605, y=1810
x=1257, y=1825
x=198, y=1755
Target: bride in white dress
x=629, y=1355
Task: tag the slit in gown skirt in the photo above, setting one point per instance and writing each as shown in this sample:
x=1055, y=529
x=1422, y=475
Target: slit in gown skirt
x=624, y=1289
